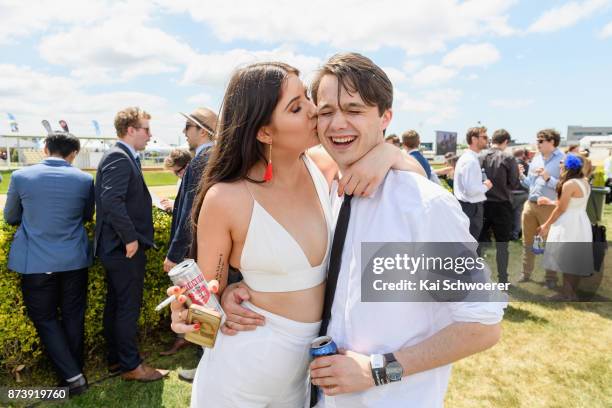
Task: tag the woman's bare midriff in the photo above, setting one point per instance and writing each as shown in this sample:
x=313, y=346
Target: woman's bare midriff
x=302, y=305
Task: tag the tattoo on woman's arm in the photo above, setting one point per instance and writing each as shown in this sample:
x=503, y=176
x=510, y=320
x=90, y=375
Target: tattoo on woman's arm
x=220, y=267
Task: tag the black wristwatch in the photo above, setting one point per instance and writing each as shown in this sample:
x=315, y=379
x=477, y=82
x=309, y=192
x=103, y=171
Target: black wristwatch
x=393, y=369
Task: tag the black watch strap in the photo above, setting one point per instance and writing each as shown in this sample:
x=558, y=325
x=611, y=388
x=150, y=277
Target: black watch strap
x=389, y=358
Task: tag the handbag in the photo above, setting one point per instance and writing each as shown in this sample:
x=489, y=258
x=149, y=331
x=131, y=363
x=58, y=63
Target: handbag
x=600, y=246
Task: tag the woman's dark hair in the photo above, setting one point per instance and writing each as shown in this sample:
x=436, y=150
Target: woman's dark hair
x=62, y=143
x=250, y=98
x=568, y=174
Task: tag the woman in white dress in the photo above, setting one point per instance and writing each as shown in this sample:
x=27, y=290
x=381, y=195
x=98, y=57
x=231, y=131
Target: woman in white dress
x=274, y=224
x=569, y=241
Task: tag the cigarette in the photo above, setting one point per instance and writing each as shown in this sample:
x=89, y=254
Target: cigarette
x=165, y=303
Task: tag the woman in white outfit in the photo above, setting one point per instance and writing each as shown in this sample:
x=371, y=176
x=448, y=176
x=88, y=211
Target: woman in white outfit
x=263, y=207
x=569, y=241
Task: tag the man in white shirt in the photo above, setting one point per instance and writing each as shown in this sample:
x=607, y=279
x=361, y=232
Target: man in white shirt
x=469, y=186
x=417, y=340
x=354, y=98
x=608, y=175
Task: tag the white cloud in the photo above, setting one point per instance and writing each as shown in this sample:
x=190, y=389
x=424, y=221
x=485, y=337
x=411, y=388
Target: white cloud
x=436, y=105
x=467, y=55
x=120, y=48
x=606, y=32
x=33, y=96
x=511, y=103
x=472, y=77
x=566, y=15
x=215, y=69
x=432, y=75
x=201, y=99
x=418, y=27
x=412, y=65
x=22, y=19
x=395, y=75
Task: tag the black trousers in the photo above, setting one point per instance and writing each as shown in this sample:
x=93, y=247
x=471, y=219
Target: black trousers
x=474, y=212
x=61, y=333
x=125, y=281
x=498, y=216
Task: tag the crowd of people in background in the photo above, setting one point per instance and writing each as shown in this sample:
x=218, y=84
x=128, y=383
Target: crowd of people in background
x=506, y=194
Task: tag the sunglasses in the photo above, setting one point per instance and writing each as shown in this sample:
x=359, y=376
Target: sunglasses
x=540, y=141
x=177, y=172
x=147, y=130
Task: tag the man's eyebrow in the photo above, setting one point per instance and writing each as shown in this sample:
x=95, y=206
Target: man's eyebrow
x=292, y=100
x=353, y=105
x=326, y=106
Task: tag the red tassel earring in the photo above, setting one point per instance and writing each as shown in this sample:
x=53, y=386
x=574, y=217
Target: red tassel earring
x=268, y=175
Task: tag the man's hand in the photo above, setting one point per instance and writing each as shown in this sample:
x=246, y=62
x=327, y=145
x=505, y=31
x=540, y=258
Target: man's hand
x=488, y=184
x=168, y=264
x=167, y=205
x=343, y=373
x=238, y=318
x=131, y=249
x=541, y=171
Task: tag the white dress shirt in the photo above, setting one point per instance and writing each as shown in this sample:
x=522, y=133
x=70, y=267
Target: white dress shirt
x=405, y=208
x=468, y=185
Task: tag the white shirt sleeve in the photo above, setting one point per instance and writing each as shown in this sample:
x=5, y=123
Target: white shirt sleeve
x=444, y=214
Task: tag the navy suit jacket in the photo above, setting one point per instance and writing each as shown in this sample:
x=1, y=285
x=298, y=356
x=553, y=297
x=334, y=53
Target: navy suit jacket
x=181, y=231
x=422, y=161
x=124, y=208
x=51, y=201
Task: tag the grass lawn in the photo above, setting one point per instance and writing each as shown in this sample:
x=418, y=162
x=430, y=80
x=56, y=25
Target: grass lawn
x=550, y=355
x=152, y=178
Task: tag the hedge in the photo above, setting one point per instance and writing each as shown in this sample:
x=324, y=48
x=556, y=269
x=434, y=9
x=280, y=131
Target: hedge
x=19, y=342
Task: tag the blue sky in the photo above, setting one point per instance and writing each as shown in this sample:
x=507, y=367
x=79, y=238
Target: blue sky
x=520, y=65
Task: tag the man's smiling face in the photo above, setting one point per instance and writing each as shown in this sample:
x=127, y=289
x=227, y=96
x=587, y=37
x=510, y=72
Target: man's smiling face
x=348, y=128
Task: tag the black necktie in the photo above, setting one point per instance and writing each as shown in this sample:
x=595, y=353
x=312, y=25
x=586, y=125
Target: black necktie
x=138, y=162
x=335, y=261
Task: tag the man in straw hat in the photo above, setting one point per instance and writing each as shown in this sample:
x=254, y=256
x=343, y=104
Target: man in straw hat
x=199, y=131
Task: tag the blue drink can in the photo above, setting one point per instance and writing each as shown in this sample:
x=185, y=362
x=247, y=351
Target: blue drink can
x=323, y=346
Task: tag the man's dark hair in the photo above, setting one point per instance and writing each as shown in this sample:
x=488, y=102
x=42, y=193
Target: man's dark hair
x=550, y=135
x=356, y=73
x=62, y=143
x=500, y=136
x=411, y=139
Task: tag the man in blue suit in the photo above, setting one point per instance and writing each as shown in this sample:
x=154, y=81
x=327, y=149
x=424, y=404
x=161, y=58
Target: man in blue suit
x=411, y=141
x=199, y=131
x=51, y=201
x=124, y=230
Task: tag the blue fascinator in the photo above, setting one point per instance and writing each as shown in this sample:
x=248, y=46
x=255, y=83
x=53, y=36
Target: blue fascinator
x=572, y=162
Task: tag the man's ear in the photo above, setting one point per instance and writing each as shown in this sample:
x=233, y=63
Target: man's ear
x=46, y=151
x=386, y=119
x=263, y=135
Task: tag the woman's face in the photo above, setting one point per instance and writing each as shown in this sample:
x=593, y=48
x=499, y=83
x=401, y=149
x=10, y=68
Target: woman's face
x=294, y=124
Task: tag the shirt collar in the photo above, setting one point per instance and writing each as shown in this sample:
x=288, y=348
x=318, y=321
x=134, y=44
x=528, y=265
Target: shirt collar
x=130, y=148
x=56, y=159
x=202, y=147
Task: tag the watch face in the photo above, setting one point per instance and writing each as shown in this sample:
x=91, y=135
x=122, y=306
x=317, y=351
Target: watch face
x=394, y=371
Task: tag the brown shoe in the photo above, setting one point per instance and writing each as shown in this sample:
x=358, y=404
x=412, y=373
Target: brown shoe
x=144, y=373
x=179, y=343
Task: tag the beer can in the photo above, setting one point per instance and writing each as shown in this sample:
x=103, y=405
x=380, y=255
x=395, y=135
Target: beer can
x=187, y=275
x=323, y=346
